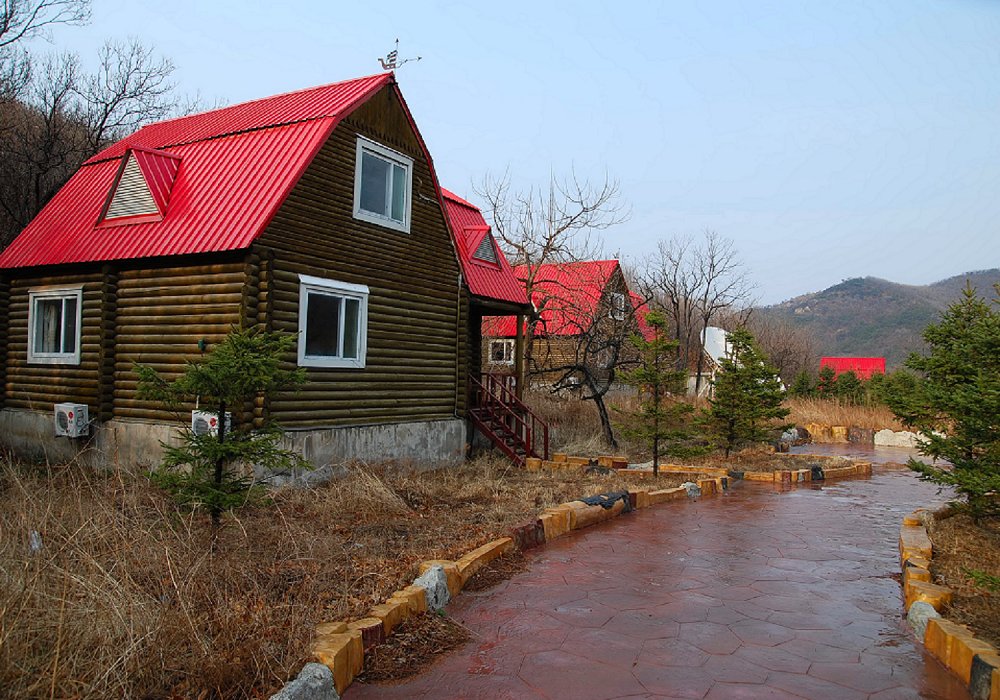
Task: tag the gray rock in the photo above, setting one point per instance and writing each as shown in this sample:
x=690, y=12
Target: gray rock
x=435, y=585
x=918, y=615
x=790, y=435
x=314, y=682
x=692, y=488
x=888, y=438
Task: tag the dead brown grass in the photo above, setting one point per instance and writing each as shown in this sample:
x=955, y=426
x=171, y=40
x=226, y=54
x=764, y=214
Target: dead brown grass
x=836, y=412
x=126, y=598
x=961, y=546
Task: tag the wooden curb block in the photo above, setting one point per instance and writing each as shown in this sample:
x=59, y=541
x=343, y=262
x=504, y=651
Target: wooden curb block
x=414, y=597
x=583, y=515
x=343, y=654
x=663, y=495
x=984, y=683
x=391, y=613
x=938, y=596
x=372, y=631
x=555, y=522
x=475, y=560
x=913, y=541
x=639, y=499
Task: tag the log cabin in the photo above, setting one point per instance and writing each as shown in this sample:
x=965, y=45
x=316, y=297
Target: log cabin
x=572, y=300
x=317, y=213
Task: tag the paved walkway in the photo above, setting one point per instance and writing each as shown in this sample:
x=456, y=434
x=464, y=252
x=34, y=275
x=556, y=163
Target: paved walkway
x=755, y=594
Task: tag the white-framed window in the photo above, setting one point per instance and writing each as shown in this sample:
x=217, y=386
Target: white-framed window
x=382, y=186
x=618, y=306
x=502, y=352
x=333, y=323
x=54, y=317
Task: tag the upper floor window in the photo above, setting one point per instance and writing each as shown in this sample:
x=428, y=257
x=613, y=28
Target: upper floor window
x=54, y=315
x=382, y=185
x=333, y=323
x=618, y=306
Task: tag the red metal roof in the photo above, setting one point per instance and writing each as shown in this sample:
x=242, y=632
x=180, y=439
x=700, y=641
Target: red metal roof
x=565, y=294
x=485, y=279
x=864, y=367
x=237, y=165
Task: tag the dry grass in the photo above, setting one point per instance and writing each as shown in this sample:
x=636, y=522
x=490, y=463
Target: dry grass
x=836, y=412
x=126, y=598
x=961, y=546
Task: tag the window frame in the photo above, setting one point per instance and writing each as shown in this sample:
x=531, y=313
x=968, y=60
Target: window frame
x=508, y=344
x=63, y=293
x=393, y=158
x=343, y=290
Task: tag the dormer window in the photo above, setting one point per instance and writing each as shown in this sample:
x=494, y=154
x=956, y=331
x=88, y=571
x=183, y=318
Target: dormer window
x=486, y=250
x=141, y=190
x=382, y=186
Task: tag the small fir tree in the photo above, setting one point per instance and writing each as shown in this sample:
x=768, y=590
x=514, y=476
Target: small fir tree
x=206, y=471
x=660, y=419
x=802, y=387
x=747, y=396
x=826, y=386
x=849, y=388
x=955, y=403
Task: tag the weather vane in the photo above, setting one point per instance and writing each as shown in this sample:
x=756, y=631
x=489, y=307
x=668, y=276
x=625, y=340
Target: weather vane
x=392, y=62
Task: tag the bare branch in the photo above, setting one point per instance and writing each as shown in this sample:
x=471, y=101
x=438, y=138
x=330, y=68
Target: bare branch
x=130, y=88
x=26, y=19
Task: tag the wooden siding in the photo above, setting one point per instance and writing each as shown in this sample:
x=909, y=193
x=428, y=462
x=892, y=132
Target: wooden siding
x=39, y=386
x=414, y=364
x=161, y=314
x=4, y=333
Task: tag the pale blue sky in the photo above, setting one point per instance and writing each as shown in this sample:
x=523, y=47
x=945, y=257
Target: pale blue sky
x=828, y=140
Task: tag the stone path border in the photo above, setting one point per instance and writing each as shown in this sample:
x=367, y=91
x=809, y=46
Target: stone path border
x=973, y=660
x=341, y=646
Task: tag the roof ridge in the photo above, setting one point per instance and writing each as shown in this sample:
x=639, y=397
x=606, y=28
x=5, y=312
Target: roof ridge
x=271, y=97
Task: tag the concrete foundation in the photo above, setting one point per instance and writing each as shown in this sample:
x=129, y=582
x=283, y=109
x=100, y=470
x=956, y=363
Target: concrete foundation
x=30, y=434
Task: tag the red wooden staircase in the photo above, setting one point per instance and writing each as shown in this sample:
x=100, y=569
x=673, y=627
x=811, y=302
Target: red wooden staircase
x=503, y=418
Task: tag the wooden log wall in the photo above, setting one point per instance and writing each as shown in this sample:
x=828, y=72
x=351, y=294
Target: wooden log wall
x=4, y=308
x=39, y=386
x=412, y=367
x=161, y=314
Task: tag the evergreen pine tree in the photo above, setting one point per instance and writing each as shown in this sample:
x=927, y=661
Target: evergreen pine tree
x=803, y=385
x=660, y=419
x=207, y=470
x=747, y=396
x=955, y=403
x=826, y=385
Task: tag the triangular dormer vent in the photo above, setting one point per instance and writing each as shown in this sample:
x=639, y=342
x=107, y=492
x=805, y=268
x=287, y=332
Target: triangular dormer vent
x=142, y=189
x=486, y=250
x=132, y=196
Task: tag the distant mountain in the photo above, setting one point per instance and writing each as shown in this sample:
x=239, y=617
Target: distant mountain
x=868, y=316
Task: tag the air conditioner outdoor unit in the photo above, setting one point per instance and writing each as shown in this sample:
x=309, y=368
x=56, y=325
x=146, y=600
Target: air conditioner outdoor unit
x=207, y=422
x=72, y=419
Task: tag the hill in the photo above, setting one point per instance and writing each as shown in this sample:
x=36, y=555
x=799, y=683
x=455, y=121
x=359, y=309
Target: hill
x=868, y=316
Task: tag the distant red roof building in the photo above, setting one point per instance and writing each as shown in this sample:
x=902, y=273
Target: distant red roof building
x=565, y=294
x=864, y=367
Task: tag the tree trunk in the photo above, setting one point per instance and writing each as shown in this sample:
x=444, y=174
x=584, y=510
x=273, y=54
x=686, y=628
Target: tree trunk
x=602, y=412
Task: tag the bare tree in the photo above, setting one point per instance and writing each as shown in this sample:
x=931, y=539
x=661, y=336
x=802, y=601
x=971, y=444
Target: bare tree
x=790, y=348
x=131, y=87
x=668, y=281
x=722, y=283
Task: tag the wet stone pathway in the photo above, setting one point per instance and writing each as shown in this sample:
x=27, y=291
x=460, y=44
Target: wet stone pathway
x=754, y=594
